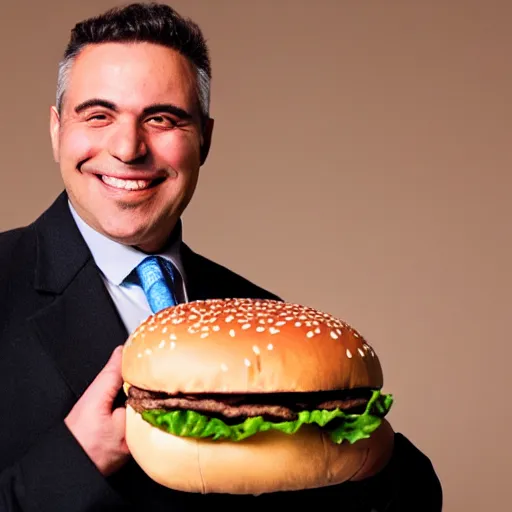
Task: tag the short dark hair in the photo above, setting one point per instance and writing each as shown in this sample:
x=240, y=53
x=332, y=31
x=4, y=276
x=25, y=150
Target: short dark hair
x=139, y=22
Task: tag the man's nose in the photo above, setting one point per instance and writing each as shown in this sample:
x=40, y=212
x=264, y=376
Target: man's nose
x=127, y=143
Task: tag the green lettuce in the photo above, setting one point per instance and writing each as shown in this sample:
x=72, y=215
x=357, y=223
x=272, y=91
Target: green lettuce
x=339, y=425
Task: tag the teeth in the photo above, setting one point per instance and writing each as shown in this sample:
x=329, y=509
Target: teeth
x=126, y=184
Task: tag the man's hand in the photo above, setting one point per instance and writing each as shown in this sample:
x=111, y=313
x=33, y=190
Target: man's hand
x=99, y=429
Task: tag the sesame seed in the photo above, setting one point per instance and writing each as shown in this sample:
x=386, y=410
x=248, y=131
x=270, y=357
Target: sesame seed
x=349, y=354
x=270, y=346
x=334, y=336
x=247, y=362
x=256, y=350
x=232, y=333
x=260, y=329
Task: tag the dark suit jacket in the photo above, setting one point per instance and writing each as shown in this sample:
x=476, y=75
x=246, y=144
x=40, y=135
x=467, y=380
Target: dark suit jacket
x=58, y=327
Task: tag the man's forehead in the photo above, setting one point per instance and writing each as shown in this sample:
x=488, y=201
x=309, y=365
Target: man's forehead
x=131, y=73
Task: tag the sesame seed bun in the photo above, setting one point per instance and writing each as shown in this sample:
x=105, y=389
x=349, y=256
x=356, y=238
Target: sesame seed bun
x=244, y=346
x=247, y=346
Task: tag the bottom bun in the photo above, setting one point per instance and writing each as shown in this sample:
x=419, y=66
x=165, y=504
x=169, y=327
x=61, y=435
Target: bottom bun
x=265, y=462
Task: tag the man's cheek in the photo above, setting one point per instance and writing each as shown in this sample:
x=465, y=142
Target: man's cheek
x=180, y=154
x=79, y=147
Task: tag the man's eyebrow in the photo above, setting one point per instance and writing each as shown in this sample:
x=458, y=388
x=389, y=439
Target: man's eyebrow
x=168, y=108
x=151, y=110
x=95, y=102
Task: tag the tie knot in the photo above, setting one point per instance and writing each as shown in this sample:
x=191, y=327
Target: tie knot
x=156, y=278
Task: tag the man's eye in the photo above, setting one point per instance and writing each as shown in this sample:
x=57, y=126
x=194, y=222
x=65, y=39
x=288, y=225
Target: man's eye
x=162, y=121
x=96, y=117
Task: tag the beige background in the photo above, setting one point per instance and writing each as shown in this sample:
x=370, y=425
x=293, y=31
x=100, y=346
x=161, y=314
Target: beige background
x=360, y=164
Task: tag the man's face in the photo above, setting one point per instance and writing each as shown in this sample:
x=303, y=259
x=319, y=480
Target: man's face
x=129, y=139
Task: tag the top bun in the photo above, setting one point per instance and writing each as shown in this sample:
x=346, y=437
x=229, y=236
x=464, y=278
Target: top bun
x=247, y=346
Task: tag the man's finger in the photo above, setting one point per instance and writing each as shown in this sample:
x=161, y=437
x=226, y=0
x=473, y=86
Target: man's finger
x=108, y=382
x=119, y=422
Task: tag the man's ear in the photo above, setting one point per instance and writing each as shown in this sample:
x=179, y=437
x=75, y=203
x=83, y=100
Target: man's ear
x=207, y=138
x=55, y=132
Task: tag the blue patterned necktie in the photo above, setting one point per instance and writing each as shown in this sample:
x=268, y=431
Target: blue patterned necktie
x=151, y=272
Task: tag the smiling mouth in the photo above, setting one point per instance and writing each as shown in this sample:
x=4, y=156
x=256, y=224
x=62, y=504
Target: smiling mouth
x=132, y=185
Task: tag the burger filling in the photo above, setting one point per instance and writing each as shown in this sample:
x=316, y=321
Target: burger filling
x=347, y=415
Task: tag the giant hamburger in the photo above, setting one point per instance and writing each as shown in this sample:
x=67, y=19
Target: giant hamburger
x=247, y=396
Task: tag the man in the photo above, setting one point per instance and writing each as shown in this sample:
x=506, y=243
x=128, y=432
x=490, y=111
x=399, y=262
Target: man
x=130, y=131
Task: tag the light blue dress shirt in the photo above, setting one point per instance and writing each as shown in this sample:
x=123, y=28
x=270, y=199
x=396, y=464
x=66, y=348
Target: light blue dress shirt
x=115, y=262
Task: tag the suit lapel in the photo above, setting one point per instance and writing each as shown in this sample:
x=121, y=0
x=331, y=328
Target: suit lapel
x=80, y=329
x=81, y=326
x=199, y=281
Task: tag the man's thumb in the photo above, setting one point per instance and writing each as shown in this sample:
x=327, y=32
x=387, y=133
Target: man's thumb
x=108, y=382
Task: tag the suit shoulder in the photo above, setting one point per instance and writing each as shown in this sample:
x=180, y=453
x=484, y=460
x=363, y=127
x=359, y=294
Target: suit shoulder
x=11, y=241
x=17, y=250
x=233, y=284
x=9, y=238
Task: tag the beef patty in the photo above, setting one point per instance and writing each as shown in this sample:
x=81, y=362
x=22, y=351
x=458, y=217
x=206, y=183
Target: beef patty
x=234, y=407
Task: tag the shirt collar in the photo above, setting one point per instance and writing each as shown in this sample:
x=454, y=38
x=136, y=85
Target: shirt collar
x=115, y=260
